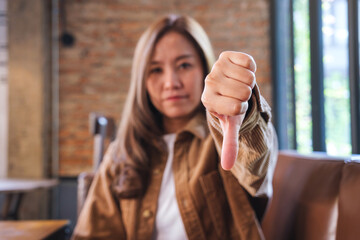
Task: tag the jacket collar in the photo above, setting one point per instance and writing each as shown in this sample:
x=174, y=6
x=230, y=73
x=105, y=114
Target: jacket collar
x=197, y=126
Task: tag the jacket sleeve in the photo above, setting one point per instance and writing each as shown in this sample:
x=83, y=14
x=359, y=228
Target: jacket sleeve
x=101, y=217
x=258, y=147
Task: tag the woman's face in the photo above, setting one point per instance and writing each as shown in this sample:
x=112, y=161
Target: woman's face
x=175, y=77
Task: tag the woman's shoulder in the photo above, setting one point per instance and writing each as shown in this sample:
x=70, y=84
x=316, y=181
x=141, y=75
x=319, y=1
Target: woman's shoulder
x=111, y=159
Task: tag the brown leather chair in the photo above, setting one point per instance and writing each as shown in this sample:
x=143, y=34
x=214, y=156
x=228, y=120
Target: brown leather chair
x=102, y=128
x=349, y=202
x=315, y=197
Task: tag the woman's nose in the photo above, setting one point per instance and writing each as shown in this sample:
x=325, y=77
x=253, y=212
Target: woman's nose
x=171, y=80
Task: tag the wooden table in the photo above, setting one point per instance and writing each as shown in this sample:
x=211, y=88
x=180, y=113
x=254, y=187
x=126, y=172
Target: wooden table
x=34, y=229
x=14, y=189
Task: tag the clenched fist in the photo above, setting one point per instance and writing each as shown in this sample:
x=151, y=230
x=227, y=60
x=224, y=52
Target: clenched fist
x=228, y=87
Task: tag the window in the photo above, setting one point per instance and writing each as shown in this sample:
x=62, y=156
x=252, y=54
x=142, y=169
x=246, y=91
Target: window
x=316, y=59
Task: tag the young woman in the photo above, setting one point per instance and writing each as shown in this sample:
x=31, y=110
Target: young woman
x=177, y=169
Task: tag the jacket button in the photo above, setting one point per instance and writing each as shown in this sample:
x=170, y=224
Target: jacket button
x=147, y=213
x=156, y=171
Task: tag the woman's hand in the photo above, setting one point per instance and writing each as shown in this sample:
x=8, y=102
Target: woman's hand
x=228, y=87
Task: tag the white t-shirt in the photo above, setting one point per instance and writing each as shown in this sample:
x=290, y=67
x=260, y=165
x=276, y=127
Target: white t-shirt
x=168, y=222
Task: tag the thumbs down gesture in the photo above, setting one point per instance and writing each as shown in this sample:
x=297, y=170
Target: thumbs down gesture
x=228, y=87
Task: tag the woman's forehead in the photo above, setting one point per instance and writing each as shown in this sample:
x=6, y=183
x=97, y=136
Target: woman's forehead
x=172, y=45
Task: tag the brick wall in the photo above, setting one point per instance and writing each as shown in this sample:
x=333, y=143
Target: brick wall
x=94, y=73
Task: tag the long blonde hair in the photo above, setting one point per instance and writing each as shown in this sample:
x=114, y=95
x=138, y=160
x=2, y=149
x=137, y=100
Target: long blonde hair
x=141, y=123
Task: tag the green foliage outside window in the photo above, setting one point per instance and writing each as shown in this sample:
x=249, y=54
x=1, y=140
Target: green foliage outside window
x=336, y=80
x=302, y=76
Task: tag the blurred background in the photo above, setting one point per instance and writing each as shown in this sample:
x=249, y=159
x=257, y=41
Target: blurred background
x=61, y=60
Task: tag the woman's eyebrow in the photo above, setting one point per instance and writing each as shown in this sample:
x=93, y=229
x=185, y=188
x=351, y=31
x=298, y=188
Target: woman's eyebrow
x=156, y=62
x=184, y=56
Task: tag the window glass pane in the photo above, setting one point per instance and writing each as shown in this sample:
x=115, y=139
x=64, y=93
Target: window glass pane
x=336, y=78
x=302, y=75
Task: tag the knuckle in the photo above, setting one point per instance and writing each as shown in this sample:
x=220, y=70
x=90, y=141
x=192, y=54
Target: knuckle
x=205, y=98
x=246, y=94
x=253, y=64
x=224, y=55
x=216, y=68
x=236, y=109
x=239, y=108
x=243, y=97
x=250, y=78
x=253, y=82
x=221, y=55
x=249, y=93
x=210, y=81
x=247, y=61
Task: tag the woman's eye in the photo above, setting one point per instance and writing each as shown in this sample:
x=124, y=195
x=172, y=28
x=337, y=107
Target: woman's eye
x=185, y=65
x=155, y=70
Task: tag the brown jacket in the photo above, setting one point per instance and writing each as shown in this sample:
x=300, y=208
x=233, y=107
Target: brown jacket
x=213, y=203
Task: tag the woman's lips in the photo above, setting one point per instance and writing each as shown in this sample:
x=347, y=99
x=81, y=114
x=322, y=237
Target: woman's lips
x=175, y=97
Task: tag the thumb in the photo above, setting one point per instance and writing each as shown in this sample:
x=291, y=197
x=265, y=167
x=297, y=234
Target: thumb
x=230, y=126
